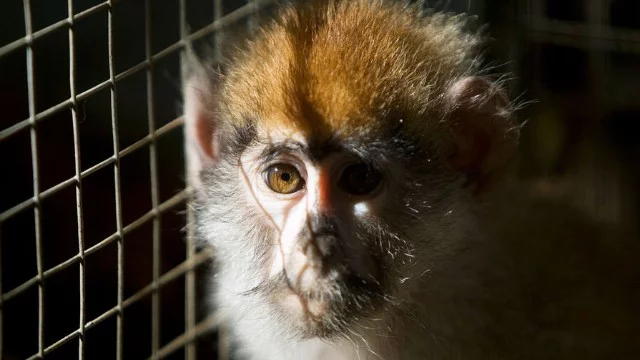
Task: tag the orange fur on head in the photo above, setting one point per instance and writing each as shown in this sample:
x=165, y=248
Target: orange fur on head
x=336, y=68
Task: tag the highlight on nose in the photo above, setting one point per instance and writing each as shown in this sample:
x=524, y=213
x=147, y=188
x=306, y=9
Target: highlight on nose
x=324, y=191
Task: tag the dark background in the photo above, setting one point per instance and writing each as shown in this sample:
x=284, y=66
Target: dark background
x=578, y=59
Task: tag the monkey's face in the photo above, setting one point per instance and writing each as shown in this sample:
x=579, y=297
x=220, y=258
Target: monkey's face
x=329, y=160
x=322, y=262
x=325, y=232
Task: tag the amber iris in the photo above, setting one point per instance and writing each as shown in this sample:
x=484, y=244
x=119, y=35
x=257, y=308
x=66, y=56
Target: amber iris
x=284, y=179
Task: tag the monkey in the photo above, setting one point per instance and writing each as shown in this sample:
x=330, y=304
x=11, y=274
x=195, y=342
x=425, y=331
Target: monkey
x=350, y=166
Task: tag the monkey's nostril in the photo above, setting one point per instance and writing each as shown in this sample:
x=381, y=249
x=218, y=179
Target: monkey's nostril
x=323, y=252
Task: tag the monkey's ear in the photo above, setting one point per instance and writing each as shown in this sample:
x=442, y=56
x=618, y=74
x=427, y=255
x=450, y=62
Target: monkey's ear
x=199, y=128
x=483, y=129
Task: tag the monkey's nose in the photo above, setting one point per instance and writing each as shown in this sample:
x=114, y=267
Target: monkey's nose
x=324, y=191
x=324, y=252
x=317, y=263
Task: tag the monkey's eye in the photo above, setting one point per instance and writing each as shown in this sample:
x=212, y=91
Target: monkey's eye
x=360, y=179
x=283, y=179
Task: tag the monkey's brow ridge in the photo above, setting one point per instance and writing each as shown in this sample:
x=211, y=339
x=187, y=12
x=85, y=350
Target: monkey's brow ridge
x=274, y=150
x=314, y=151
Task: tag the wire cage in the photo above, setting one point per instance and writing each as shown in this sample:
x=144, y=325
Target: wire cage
x=96, y=258
x=93, y=215
x=94, y=261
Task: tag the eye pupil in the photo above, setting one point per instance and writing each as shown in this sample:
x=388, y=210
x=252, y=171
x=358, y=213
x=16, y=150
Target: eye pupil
x=283, y=179
x=360, y=179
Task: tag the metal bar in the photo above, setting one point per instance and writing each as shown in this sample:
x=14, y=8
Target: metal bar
x=217, y=15
x=223, y=349
x=165, y=279
x=190, y=281
x=593, y=27
x=57, y=344
x=173, y=124
x=190, y=300
x=35, y=169
x=109, y=313
x=224, y=342
x=583, y=30
x=536, y=7
x=252, y=22
x=78, y=169
x=117, y=188
x=236, y=15
x=188, y=337
x=167, y=205
x=153, y=164
x=28, y=39
x=171, y=275
x=557, y=38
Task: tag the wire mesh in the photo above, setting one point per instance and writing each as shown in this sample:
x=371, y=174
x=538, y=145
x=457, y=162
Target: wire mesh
x=81, y=261
x=583, y=61
x=47, y=268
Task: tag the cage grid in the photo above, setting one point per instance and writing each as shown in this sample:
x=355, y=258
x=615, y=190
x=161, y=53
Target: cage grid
x=594, y=90
x=193, y=327
x=588, y=26
x=594, y=29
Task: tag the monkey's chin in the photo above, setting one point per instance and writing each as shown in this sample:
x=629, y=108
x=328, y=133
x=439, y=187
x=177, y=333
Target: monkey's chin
x=311, y=317
x=323, y=308
x=307, y=308
x=326, y=314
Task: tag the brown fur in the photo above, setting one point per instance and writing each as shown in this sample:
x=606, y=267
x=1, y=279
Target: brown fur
x=340, y=67
x=512, y=280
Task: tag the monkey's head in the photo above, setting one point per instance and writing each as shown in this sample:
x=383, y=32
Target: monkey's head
x=337, y=157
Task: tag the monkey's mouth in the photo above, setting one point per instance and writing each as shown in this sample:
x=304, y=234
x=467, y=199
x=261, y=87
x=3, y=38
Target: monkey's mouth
x=330, y=305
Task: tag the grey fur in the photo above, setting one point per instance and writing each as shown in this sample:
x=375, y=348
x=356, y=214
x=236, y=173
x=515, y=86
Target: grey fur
x=453, y=278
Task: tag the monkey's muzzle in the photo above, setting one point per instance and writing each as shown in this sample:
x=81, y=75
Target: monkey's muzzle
x=317, y=261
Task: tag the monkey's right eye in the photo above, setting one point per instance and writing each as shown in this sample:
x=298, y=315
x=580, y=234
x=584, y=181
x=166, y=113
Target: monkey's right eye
x=283, y=179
